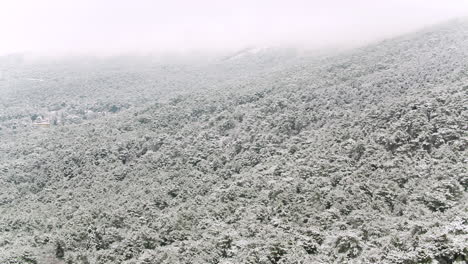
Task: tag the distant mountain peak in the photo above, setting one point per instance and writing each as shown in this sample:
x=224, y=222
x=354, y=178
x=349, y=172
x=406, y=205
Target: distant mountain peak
x=248, y=51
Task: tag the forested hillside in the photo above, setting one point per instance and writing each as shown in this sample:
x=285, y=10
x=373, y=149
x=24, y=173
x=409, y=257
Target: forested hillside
x=356, y=157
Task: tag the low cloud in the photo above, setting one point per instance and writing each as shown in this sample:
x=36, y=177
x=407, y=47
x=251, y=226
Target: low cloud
x=119, y=26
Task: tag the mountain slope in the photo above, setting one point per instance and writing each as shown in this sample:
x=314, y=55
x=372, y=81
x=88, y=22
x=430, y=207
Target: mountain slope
x=354, y=158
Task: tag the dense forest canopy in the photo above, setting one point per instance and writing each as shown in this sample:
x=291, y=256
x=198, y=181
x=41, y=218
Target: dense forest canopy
x=260, y=157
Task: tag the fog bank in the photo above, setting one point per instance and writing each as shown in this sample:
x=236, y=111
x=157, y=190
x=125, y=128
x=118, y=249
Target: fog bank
x=119, y=26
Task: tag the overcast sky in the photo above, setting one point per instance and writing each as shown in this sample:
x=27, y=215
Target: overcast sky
x=114, y=26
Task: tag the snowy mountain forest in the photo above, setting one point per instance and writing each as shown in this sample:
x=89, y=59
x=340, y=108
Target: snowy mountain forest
x=265, y=156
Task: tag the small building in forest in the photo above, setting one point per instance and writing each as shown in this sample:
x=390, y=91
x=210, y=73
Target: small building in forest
x=41, y=122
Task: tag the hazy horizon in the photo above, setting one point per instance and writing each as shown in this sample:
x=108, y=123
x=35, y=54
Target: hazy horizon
x=114, y=27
